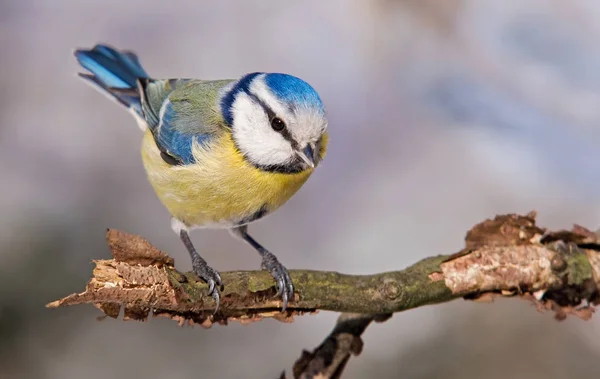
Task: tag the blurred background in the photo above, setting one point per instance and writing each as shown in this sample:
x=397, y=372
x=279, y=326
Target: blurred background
x=441, y=114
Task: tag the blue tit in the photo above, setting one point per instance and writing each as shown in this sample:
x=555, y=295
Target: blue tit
x=218, y=153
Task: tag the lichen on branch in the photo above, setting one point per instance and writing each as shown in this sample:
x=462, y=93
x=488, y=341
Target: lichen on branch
x=506, y=256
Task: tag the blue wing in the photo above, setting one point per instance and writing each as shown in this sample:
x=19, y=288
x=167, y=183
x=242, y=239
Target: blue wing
x=181, y=113
x=173, y=139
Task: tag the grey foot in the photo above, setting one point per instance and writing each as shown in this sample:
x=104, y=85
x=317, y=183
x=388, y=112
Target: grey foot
x=201, y=268
x=211, y=277
x=285, y=287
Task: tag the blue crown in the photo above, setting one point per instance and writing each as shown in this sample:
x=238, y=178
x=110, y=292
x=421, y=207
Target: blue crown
x=294, y=91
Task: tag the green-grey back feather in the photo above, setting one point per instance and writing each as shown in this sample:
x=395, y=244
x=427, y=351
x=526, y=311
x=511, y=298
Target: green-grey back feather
x=197, y=106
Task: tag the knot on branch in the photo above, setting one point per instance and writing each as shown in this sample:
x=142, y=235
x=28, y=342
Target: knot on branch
x=391, y=289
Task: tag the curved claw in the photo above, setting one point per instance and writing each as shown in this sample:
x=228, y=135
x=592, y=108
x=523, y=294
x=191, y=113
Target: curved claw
x=215, y=295
x=285, y=287
x=287, y=290
x=213, y=279
x=218, y=280
x=280, y=287
x=291, y=288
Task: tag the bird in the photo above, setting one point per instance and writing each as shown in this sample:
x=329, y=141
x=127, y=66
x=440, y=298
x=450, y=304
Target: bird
x=219, y=154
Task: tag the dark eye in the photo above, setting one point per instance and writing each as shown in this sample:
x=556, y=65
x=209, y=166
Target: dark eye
x=277, y=124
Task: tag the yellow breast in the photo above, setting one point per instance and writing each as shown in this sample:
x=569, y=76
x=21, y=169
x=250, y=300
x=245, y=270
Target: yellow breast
x=222, y=190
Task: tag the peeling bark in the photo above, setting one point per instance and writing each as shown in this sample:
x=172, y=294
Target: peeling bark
x=505, y=256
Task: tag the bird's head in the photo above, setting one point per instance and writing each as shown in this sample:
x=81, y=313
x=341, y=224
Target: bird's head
x=277, y=121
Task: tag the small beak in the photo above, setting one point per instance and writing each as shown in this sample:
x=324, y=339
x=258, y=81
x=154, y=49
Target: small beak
x=308, y=155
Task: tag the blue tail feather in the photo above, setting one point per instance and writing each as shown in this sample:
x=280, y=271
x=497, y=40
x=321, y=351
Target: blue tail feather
x=116, y=72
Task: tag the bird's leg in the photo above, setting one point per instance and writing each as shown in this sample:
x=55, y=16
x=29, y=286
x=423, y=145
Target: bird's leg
x=202, y=269
x=285, y=287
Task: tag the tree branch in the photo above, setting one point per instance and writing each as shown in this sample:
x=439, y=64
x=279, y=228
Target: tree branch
x=506, y=256
x=329, y=359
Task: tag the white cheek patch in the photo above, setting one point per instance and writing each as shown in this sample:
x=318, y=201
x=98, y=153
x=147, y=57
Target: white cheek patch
x=254, y=136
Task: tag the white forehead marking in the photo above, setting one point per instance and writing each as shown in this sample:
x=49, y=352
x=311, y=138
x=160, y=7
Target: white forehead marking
x=259, y=88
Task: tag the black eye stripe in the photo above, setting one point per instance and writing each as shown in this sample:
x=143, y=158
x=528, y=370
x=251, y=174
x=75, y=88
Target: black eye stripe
x=271, y=115
x=286, y=134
